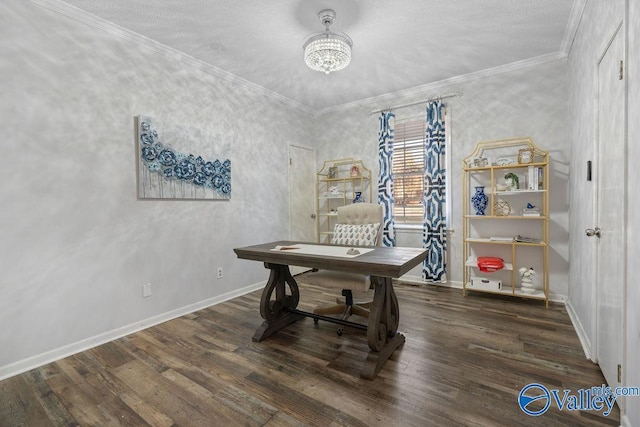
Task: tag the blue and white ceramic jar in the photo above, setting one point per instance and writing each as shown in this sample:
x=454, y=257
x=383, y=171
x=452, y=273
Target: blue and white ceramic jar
x=479, y=200
x=358, y=198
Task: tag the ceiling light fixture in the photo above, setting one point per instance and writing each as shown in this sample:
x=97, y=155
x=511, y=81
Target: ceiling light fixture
x=327, y=51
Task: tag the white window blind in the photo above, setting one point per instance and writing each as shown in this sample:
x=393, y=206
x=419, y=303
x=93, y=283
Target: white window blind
x=408, y=171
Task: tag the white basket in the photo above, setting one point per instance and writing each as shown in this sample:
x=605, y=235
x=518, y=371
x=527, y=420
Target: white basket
x=485, y=284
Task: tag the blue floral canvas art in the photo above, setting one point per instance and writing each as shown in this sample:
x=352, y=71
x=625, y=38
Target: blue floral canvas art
x=167, y=171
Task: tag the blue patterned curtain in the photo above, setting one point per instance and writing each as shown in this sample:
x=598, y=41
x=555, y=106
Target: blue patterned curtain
x=385, y=180
x=434, y=233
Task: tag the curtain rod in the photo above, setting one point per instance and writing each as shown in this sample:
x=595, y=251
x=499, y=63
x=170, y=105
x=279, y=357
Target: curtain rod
x=450, y=95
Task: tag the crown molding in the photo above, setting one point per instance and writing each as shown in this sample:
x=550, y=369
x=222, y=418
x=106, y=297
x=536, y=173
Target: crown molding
x=138, y=39
x=575, y=17
x=382, y=101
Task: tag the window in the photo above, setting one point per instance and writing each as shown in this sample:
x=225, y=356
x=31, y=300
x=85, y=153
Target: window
x=408, y=171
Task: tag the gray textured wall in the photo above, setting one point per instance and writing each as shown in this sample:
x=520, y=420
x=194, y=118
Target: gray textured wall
x=76, y=245
x=530, y=101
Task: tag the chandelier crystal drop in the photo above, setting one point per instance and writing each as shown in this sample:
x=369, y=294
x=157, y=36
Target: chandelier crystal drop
x=327, y=51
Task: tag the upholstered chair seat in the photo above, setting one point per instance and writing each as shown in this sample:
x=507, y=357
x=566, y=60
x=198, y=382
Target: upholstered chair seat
x=357, y=225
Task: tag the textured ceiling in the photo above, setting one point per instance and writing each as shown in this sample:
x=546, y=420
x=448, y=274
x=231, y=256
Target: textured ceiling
x=398, y=44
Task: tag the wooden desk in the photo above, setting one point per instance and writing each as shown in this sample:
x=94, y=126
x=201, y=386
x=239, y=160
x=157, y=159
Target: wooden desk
x=382, y=264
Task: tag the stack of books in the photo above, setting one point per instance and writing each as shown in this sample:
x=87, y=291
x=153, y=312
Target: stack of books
x=534, y=178
x=531, y=212
x=524, y=239
x=501, y=239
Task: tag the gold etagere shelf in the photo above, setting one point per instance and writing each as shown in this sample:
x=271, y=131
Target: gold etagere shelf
x=337, y=184
x=515, y=223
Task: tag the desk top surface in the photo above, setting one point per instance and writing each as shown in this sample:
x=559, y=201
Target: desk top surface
x=381, y=261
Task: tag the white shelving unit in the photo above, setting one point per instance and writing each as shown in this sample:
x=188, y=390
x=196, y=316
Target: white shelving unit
x=495, y=233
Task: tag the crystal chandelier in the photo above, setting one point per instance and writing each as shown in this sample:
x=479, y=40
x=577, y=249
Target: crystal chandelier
x=327, y=51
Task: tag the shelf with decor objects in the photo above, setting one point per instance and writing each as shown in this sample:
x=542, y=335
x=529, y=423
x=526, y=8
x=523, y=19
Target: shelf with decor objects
x=506, y=216
x=339, y=182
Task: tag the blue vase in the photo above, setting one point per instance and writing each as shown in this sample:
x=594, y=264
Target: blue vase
x=479, y=200
x=358, y=198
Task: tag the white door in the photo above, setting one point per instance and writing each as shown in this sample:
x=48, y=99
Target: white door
x=610, y=207
x=302, y=204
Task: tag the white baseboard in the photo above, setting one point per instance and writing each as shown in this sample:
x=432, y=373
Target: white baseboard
x=577, y=326
x=36, y=361
x=417, y=280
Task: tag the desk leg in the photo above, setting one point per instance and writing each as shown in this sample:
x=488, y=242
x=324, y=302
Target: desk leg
x=382, y=329
x=273, y=310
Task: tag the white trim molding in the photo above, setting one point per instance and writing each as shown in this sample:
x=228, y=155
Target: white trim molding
x=577, y=10
x=147, y=43
x=417, y=280
x=38, y=360
x=582, y=335
x=382, y=101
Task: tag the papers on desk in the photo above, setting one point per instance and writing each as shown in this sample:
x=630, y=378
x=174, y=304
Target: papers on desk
x=322, y=250
x=285, y=248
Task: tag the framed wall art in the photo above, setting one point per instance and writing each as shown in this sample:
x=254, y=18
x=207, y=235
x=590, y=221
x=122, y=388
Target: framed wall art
x=180, y=163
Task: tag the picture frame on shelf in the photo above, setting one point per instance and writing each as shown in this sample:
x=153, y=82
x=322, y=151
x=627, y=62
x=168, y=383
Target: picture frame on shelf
x=333, y=172
x=479, y=162
x=355, y=171
x=525, y=156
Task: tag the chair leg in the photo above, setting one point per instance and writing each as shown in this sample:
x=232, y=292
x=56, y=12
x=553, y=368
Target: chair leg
x=359, y=310
x=338, y=309
x=348, y=296
x=345, y=316
x=345, y=309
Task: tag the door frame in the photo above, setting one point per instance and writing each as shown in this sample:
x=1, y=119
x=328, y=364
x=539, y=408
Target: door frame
x=297, y=269
x=618, y=32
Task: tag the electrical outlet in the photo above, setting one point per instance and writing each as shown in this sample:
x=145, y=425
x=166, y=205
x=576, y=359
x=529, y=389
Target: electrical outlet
x=146, y=290
x=220, y=273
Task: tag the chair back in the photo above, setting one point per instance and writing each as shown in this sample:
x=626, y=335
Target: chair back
x=362, y=213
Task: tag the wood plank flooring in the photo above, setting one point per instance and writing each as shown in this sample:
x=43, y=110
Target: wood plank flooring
x=463, y=364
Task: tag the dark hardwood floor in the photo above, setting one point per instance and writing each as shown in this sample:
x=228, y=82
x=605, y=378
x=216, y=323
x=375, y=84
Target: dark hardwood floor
x=463, y=364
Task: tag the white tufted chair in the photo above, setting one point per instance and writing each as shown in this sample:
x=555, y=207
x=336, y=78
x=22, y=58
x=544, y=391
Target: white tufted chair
x=355, y=214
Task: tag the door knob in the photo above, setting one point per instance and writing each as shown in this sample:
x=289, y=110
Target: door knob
x=592, y=232
x=313, y=216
